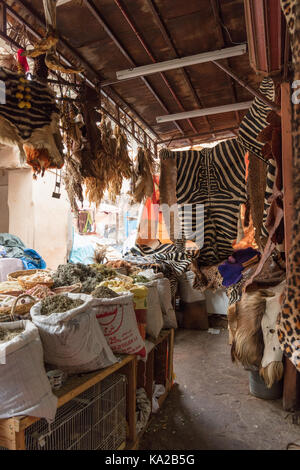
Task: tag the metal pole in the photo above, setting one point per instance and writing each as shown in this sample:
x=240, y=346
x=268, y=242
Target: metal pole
x=251, y=90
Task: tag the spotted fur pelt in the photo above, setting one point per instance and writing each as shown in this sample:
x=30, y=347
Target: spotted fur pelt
x=289, y=323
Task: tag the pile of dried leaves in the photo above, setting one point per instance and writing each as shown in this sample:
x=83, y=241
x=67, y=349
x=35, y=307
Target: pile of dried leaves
x=69, y=274
x=59, y=304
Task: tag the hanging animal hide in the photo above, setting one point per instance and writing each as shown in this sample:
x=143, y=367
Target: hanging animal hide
x=9, y=62
x=34, y=127
x=214, y=179
x=289, y=325
x=271, y=369
x=247, y=345
x=257, y=180
x=252, y=328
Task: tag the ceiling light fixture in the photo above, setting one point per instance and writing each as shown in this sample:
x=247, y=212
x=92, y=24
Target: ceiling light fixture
x=205, y=112
x=182, y=62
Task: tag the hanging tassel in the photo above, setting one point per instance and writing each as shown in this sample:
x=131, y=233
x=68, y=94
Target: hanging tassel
x=23, y=66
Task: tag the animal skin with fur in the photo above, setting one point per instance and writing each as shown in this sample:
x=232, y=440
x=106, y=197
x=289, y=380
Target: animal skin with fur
x=248, y=330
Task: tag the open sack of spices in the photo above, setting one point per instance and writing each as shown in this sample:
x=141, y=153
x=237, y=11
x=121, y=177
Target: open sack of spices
x=147, y=297
x=24, y=385
x=71, y=335
x=116, y=316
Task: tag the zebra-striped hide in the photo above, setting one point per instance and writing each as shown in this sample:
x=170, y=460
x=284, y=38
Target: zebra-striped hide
x=251, y=126
x=37, y=126
x=215, y=178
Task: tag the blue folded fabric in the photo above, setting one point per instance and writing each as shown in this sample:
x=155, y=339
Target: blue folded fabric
x=231, y=270
x=32, y=260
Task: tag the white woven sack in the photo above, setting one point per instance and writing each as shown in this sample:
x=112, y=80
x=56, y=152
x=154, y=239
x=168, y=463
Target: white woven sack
x=151, y=275
x=165, y=297
x=155, y=321
x=216, y=302
x=187, y=293
x=117, y=319
x=24, y=385
x=73, y=341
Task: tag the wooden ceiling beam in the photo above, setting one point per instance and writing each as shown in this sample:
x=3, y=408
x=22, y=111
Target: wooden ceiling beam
x=151, y=56
x=89, y=69
x=94, y=11
x=219, y=30
x=171, y=45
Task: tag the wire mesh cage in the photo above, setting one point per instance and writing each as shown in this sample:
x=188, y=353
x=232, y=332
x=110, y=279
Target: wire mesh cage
x=94, y=420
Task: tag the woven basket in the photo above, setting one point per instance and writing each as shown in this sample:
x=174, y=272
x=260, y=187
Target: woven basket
x=26, y=272
x=17, y=309
x=75, y=288
x=26, y=285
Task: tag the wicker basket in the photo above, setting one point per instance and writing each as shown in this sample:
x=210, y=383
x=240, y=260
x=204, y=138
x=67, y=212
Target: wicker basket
x=26, y=272
x=75, y=288
x=17, y=309
x=30, y=284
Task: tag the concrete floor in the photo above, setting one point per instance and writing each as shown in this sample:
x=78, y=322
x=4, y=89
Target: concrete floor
x=210, y=407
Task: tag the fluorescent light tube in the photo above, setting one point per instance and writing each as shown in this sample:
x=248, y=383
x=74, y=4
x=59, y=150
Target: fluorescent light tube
x=182, y=62
x=204, y=112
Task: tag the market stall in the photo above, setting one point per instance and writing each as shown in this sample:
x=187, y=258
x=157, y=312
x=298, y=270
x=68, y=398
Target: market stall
x=148, y=226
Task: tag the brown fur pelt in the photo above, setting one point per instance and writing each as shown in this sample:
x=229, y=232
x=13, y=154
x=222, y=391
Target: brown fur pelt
x=257, y=179
x=8, y=61
x=248, y=344
x=232, y=321
x=168, y=178
x=206, y=277
x=272, y=373
x=40, y=70
x=39, y=159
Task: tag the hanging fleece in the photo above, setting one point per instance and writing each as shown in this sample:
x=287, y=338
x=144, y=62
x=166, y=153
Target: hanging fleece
x=30, y=117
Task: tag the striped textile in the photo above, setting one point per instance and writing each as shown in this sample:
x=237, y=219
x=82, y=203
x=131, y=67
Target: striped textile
x=25, y=120
x=36, y=127
x=172, y=262
x=255, y=119
x=214, y=178
x=253, y=123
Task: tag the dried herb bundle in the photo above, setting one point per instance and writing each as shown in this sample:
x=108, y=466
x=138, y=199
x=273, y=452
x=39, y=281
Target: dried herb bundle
x=111, y=166
x=97, y=157
x=143, y=175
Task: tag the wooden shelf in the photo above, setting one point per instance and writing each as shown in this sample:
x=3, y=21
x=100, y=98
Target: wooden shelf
x=12, y=430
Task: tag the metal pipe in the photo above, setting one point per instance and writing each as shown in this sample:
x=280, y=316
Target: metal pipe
x=206, y=111
x=251, y=90
x=199, y=134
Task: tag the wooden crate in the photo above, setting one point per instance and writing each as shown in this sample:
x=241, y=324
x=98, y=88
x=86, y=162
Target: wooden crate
x=12, y=430
x=158, y=368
